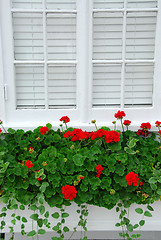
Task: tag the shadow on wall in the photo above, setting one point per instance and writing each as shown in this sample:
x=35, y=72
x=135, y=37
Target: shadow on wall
x=102, y=235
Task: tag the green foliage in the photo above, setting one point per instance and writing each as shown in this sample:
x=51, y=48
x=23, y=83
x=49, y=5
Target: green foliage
x=59, y=161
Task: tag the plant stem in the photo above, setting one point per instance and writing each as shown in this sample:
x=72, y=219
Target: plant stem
x=122, y=125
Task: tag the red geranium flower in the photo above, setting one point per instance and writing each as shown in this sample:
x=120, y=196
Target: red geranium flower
x=0, y=130
x=99, y=169
x=127, y=122
x=159, y=132
x=146, y=126
x=44, y=130
x=132, y=179
x=65, y=119
x=112, y=136
x=69, y=192
x=141, y=183
x=29, y=164
x=120, y=114
x=158, y=124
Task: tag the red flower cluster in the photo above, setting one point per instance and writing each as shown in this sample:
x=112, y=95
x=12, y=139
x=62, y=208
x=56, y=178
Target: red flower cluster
x=69, y=192
x=44, y=130
x=159, y=132
x=99, y=169
x=29, y=164
x=144, y=131
x=120, y=114
x=132, y=179
x=65, y=119
x=146, y=126
x=0, y=130
x=77, y=135
x=127, y=122
x=158, y=124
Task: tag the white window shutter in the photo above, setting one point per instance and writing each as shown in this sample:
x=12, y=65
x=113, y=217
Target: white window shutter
x=123, y=46
x=45, y=53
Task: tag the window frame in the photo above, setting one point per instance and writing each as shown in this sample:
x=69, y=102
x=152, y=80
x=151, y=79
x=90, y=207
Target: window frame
x=84, y=113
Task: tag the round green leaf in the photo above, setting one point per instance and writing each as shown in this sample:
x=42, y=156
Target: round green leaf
x=32, y=233
x=139, y=210
x=55, y=215
x=41, y=231
x=147, y=214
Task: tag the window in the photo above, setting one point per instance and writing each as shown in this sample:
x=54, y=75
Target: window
x=81, y=58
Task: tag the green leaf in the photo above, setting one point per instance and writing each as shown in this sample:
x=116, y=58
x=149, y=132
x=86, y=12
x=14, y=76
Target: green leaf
x=117, y=224
x=41, y=209
x=135, y=226
x=46, y=214
x=4, y=209
x=13, y=221
x=65, y=229
x=133, y=236
x=40, y=222
x=150, y=208
x=18, y=218
x=44, y=186
x=130, y=227
x=64, y=215
x=55, y=215
x=159, y=179
x=159, y=191
x=34, y=216
x=132, y=142
x=22, y=207
x=147, y=214
x=41, y=231
x=152, y=180
x=32, y=233
x=142, y=222
x=78, y=160
x=48, y=125
x=55, y=238
x=33, y=207
x=129, y=150
x=139, y=210
x=24, y=220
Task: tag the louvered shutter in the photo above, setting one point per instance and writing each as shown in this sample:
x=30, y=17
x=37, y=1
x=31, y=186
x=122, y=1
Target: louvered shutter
x=123, y=32
x=45, y=53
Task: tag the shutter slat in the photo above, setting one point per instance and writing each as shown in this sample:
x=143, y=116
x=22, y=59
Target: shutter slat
x=61, y=4
x=103, y=4
x=142, y=4
x=27, y=4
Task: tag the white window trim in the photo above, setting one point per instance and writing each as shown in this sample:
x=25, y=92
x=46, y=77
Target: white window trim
x=84, y=113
